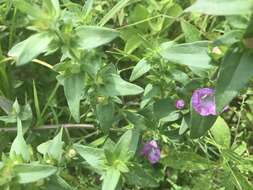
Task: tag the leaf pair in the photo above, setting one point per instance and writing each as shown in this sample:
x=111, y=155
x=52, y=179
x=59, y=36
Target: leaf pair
x=112, y=162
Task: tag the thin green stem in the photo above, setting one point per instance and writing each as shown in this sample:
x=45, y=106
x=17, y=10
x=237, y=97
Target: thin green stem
x=50, y=99
x=145, y=20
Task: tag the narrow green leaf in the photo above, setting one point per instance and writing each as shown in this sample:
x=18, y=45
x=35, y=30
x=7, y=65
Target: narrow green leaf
x=140, y=69
x=74, y=89
x=30, y=48
x=55, y=149
x=28, y=173
x=93, y=156
x=150, y=92
x=121, y=4
x=249, y=33
x=53, y=7
x=30, y=9
x=36, y=101
x=105, y=115
x=126, y=146
x=5, y=104
x=111, y=179
x=236, y=72
x=222, y=7
x=88, y=7
x=89, y=37
x=184, y=125
x=19, y=146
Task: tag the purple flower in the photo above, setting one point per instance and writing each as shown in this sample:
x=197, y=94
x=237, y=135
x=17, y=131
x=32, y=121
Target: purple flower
x=180, y=104
x=151, y=151
x=203, y=101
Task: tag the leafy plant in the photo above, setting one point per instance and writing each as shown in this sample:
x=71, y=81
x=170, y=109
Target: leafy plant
x=126, y=94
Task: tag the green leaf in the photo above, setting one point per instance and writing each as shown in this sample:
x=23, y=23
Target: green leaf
x=222, y=7
x=5, y=105
x=241, y=181
x=184, y=125
x=138, y=14
x=114, y=85
x=87, y=8
x=53, y=7
x=24, y=113
x=221, y=133
x=140, y=69
x=30, y=9
x=55, y=149
x=126, y=146
x=236, y=72
x=43, y=147
x=28, y=173
x=186, y=161
x=189, y=54
x=111, y=179
x=30, y=48
x=121, y=4
x=58, y=183
x=229, y=38
x=89, y=37
x=132, y=42
x=248, y=33
x=105, y=115
x=163, y=108
x=19, y=146
x=199, y=125
x=74, y=89
x=191, y=33
x=36, y=101
x=150, y=92
x=141, y=178
x=136, y=119
x=93, y=156
x=174, y=10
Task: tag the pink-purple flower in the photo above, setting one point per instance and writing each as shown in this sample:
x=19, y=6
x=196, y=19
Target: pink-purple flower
x=203, y=101
x=180, y=104
x=151, y=151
